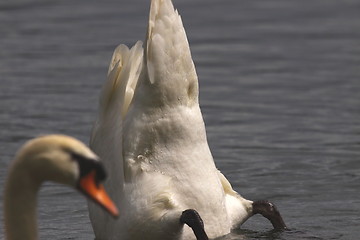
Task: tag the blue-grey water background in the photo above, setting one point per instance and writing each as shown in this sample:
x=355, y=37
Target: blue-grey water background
x=279, y=91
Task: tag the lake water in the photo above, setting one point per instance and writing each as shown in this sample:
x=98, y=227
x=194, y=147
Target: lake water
x=279, y=91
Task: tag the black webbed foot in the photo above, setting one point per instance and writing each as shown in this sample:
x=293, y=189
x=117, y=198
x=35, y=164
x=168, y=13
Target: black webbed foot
x=269, y=211
x=192, y=218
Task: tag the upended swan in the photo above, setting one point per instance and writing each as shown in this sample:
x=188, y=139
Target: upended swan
x=151, y=135
x=55, y=158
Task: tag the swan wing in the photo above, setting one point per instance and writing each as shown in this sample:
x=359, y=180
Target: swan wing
x=106, y=136
x=238, y=208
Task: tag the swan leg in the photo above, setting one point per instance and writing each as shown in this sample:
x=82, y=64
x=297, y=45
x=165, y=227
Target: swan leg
x=269, y=211
x=192, y=218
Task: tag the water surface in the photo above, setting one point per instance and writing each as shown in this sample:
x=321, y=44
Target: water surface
x=279, y=91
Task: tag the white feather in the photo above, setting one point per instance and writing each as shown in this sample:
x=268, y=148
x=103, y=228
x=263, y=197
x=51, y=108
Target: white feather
x=152, y=138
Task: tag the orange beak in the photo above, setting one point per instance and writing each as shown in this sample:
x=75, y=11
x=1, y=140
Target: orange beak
x=97, y=193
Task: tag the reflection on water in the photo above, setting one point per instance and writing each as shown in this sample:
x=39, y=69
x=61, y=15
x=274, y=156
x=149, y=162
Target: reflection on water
x=279, y=90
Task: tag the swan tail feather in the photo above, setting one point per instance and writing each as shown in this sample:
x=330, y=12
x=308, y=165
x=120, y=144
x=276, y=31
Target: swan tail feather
x=170, y=68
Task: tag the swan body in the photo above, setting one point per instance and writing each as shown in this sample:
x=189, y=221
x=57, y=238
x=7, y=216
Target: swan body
x=57, y=158
x=151, y=135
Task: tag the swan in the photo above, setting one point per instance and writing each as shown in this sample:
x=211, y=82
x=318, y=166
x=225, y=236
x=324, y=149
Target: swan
x=151, y=135
x=57, y=158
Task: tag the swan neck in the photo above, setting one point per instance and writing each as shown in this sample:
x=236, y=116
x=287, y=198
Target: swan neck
x=20, y=206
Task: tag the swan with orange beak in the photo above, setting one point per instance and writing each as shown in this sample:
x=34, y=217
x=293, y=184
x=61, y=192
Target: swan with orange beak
x=56, y=158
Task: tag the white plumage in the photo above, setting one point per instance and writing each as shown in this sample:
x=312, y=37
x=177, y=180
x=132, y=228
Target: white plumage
x=151, y=135
x=56, y=158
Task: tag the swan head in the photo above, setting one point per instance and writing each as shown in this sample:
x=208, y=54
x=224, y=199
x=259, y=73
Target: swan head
x=64, y=160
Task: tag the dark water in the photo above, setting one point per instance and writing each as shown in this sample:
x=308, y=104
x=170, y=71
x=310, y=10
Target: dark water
x=279, y=90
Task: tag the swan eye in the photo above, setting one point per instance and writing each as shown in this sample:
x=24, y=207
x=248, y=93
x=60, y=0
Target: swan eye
x=86, y=165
